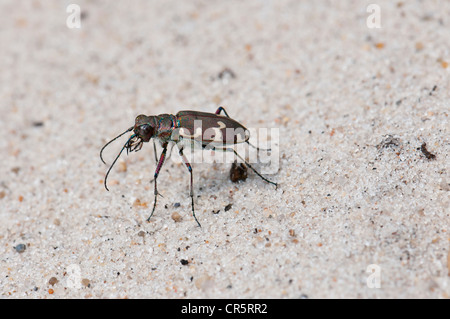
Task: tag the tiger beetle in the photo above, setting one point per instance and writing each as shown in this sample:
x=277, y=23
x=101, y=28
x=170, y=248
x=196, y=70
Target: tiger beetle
x=217, y=133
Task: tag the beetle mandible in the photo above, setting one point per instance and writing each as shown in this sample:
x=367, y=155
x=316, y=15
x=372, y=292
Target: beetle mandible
x=217, y=133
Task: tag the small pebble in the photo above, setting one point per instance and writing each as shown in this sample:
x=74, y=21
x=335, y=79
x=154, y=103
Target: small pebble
x=53, y=281
x=38, y=123
x=176, y=217
x=184, y=262
x=20, y=248
x=141, y=233
x=238, y=172
x=86, y=283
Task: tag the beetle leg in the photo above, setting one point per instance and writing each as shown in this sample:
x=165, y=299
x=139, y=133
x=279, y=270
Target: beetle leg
x=253, y=169
x=156, y=158
x=156, y=153
x=220, y=109
x=246, y=163
x=191, y=193
x=158, y=168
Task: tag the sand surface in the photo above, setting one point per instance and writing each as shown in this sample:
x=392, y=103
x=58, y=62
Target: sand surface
x=361, y=210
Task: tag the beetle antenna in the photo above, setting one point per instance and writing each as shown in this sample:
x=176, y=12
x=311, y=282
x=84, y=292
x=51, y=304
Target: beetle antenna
x=101, y=151
x=126, y=145
x=258, y=148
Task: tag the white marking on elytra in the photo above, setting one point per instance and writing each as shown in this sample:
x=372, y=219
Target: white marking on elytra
x=218, y=132
x=185, y=133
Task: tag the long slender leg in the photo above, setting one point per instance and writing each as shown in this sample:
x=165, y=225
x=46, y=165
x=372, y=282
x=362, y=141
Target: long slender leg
x=220, y=109
x=156, y=157
x=253, y=169
x=154, y=150
x=191, y=193
x=246, y=163
x=158, y=168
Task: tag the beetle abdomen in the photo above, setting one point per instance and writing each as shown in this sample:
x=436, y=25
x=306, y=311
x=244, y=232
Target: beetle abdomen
x=210, y=129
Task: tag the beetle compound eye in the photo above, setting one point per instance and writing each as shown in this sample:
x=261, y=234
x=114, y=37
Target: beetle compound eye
x=145, y=131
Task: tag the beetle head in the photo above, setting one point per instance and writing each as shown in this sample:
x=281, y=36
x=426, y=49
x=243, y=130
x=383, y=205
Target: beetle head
x=144, y=127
